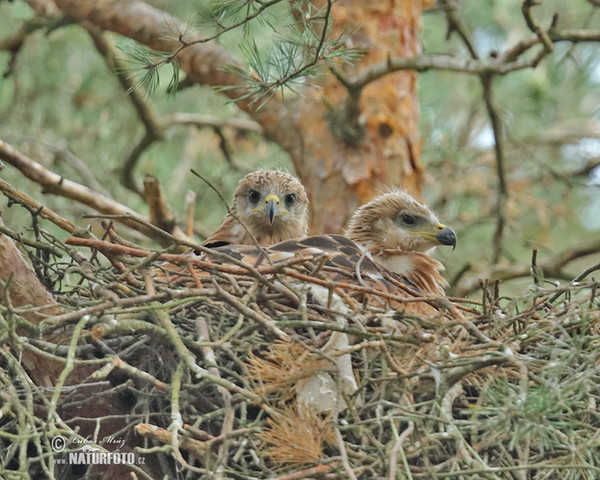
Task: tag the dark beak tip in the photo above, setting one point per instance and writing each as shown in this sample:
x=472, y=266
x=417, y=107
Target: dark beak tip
x=447, y=237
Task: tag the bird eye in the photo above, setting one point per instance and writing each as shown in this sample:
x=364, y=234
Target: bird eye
x=253, y=196
x=290, y=198
x=408, y=219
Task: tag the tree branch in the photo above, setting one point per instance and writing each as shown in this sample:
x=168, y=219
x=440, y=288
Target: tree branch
x=202, y=62
x=53, y=183
x=500, y=208
x=456, y=25
x=154, y=129
x=501, y=65
x=203, y=120
x=36, y=208
x=534, y=27
x=552, y=268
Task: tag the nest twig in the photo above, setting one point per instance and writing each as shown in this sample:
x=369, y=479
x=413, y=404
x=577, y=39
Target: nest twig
x=198, y=368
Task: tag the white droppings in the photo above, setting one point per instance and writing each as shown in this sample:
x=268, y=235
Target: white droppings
x=375, y=276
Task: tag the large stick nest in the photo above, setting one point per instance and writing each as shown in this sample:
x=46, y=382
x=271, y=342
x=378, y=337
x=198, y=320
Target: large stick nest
x=206, y=380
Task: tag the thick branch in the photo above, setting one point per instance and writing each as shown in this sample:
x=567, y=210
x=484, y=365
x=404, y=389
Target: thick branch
x=501, y=65
x=202, y=62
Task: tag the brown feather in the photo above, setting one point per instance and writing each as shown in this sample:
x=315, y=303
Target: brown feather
x=344, y=262
x=381, y=263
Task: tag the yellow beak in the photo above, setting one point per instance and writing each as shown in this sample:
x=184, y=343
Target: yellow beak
x=271, y=206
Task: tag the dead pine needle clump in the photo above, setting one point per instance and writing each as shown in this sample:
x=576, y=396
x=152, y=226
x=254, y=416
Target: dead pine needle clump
x=296, y=436
x=206, y=375
x=277, y=369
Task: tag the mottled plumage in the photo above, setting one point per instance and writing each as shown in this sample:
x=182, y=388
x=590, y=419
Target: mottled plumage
x=273, y=207
x=338, y=259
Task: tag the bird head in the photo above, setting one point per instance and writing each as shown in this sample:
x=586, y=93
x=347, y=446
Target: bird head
x=270, y=200
x=396, y=221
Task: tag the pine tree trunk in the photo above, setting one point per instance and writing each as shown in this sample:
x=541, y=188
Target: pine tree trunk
x=356, y=147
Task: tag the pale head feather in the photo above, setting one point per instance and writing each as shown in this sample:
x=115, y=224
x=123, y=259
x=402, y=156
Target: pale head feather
x=290, y=222
x=379, y=226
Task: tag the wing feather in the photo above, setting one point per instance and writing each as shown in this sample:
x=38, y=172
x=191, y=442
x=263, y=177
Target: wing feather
x=345, y=263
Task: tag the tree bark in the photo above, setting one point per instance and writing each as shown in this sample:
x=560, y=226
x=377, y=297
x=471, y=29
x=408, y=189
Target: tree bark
x=345, y=148
x=20, y=288
x=357, y=144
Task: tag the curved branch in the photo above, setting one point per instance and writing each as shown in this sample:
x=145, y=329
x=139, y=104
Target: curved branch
x=154, y=127
x=534, y=27
x=126, y=174
x=455, y=25
x=203, y=62
x=500, y=65
x=154, y=130
x=53, y=183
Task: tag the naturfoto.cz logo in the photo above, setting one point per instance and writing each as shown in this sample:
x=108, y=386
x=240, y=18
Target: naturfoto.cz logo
x=92, y=455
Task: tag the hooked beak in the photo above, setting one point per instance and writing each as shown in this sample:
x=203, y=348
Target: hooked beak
x=446, y=236
x=272, y=206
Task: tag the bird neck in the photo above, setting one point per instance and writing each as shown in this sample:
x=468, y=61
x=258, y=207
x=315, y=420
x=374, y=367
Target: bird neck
x=422, y=270
x=265, y=233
